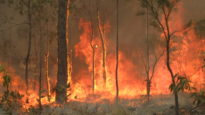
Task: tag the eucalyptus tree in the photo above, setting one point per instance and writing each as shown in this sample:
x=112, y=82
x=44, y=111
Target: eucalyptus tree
x=100, y=27
x=117, y=48
x=161, y=11
x=62, y=77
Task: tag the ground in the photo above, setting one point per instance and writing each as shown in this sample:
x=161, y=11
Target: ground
x=158, y=105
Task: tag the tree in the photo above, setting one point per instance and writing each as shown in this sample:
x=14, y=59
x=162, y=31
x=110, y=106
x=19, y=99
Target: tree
x=150, y=68
x=103, y=44
x=117, y=48
x=93, y=47
x=29, y=14
x=40, y=70
x=46, y=66
x=62, y=77
x=158, y=9
x=68, y=42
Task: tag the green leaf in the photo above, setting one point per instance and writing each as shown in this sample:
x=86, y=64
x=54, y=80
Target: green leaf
x=1, y=69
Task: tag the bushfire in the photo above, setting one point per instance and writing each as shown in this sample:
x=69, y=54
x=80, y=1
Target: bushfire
x=89, y=83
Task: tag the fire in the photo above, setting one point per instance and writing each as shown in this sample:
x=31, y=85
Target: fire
x=186, y=58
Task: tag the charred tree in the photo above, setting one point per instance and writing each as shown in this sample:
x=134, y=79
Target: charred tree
x=117, y=48
x=102, y=38
x=150, y=68
x=147, y=68
x=47, y=65
x=68, y=43
x=62, y=77
x=40, y=70
x=29, y=16
x=93, y=47
x=164, y=8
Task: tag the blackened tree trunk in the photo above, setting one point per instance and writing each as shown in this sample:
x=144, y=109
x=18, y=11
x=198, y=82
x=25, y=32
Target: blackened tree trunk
x=69, y=44
x=163, y=10
x=40, y=69
x=100, y=29
x=117, y=48
x=172, y=75
x=61, y=88
x=93, y=55
x=148, y=57
x=46, y=67
x=93, y=67
x=29, y=47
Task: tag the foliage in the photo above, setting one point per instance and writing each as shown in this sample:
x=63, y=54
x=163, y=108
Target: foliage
x=181, y=84
x=10, y=99
x=200, y=28
x=199, y=98
x=1, y=69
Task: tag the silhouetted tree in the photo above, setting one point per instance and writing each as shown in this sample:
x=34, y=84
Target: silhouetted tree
x=117, y=48
x=61, y=88
x=158, y=9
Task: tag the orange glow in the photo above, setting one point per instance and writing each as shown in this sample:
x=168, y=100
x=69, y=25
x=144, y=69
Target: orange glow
x=186, y=59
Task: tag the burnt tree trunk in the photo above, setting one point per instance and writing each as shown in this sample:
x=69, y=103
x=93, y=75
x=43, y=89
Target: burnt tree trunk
x=148, y=57
x=172, y=75
x=68, y=44
x=168, y=38
x=103, y=48
x=93, y=72
x=46, y=67
x=61, y=88
x=117, y=48
x=29, y=47
x=93, y=47
x=40, y=71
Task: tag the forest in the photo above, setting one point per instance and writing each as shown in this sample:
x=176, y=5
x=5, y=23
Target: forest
x=102, y=57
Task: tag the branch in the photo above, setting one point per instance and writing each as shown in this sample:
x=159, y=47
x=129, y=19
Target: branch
x=155, y=63
x=156, y=16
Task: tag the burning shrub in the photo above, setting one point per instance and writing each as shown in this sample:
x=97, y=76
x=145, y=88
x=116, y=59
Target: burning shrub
x=11, y=100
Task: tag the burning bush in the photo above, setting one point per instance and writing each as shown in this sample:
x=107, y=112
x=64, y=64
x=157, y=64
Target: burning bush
x=10, y=100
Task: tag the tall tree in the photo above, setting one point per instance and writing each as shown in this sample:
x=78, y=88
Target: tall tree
x=164, y=9
x=29, y=14
x=93, y=47
x=100, y=27
x=117, y=48
x=150, y=68
x=40, y=67
x=47, y=64
x=69, y=43
x=61, y=88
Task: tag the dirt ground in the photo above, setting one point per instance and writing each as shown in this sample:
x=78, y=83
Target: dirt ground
x=158, y=105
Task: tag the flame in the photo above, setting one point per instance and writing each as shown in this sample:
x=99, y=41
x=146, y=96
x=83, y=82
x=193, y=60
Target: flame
x=186, y=59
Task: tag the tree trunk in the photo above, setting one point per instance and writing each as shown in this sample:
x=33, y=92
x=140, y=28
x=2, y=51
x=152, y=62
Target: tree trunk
x=93, y=73
x=40, y=72
x=29, y=48
x=148, y=89
x=61, y=88
x=103, y=48
x=117, y=48
x=68, y=44
x=172, y=75
x=46, y=68
x=148, y=57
